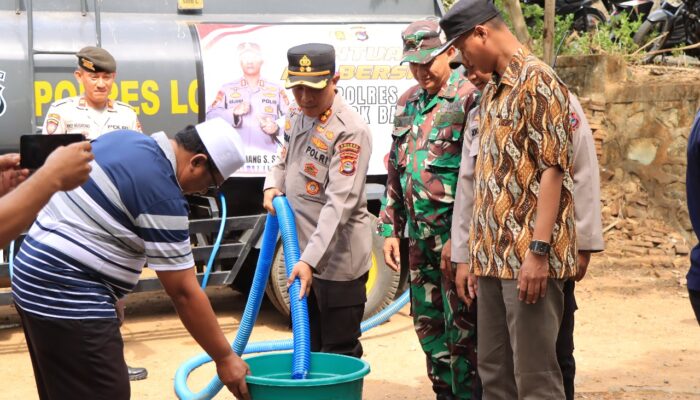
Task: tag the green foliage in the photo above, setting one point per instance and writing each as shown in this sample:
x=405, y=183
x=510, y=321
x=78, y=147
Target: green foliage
x=614, y=37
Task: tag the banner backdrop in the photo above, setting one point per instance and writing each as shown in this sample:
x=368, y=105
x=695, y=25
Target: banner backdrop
x=244, y=69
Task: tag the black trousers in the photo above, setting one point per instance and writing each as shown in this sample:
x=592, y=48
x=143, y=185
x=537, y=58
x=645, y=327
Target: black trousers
x=565, y=340
x=76, y=359
x=335, y=315
x=695, y=302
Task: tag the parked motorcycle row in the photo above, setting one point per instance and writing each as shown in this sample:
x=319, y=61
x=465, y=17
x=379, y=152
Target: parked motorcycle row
x=673, y=24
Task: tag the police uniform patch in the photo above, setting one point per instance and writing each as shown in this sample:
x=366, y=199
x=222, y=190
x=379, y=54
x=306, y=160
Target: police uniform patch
x=311, y=169
x=235, y=95
x=575, y=120
x=269, y=109
x=319, y=144
x=52, y=121
x=313, y=188
x=329, y=135
x=349, y=153
x=287, y=124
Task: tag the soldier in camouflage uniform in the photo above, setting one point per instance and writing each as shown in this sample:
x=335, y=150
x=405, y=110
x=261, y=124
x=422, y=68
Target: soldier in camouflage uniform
x=422, y=176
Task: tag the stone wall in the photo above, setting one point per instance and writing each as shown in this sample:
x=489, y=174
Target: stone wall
x=641, y=117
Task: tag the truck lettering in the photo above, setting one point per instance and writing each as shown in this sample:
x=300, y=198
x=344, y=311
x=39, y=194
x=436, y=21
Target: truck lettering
x=144, y=96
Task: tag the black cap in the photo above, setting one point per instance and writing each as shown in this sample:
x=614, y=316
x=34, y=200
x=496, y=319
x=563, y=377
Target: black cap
x=95, y=59
x=311, y=64
x=465, y=15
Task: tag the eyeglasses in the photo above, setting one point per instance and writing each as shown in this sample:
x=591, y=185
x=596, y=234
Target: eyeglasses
x=211, y=168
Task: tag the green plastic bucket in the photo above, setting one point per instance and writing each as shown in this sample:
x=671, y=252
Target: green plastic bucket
x=332, y=377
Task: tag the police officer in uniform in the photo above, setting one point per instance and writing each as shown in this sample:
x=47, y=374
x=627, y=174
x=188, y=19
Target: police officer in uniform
x=252, y=104
x=322, y=171
x=92, y=113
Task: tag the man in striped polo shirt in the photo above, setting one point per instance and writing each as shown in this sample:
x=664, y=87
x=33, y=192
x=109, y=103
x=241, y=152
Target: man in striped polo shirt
x=87, y=249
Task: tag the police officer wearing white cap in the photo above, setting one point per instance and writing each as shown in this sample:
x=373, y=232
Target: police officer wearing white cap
x=88, y=246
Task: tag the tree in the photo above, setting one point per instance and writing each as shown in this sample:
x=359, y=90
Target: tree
x=512, y=8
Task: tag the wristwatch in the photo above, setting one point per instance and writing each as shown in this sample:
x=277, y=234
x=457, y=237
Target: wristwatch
x=540, y=247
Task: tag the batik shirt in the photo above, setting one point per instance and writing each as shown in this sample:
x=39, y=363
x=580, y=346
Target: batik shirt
x=525, y=129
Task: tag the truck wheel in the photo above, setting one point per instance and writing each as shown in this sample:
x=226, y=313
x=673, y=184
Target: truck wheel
x=382, y=283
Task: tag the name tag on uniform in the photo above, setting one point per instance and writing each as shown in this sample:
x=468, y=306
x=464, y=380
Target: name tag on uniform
x=450, y=117
x=403, y=120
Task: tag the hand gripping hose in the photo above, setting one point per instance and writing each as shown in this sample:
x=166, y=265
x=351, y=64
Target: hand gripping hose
x=265, y=259
x=301, y=359
x=253, y=304
x=217, y=242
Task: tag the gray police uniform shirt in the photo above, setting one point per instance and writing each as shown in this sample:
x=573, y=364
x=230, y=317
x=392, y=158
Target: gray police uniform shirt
x=322, y=171
x=589, y=223
x=74, y=115
x=267, y=100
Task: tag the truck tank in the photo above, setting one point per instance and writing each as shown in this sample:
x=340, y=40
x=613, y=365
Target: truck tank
x=170, y=66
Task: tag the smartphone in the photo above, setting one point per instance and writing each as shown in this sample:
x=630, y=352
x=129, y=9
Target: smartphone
x=34, y=149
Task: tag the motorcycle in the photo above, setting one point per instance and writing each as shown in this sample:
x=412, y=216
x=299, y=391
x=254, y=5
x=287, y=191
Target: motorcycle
x=634, y=9
x=586, y=15
x=677, y=23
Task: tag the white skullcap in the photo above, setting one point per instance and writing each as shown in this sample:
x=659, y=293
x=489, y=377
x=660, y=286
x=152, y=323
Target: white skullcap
x=224, y=145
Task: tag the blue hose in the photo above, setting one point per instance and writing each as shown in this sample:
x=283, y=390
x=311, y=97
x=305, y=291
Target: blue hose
x=274, y=345
x=301, y=335
x=217, y=242
x=11, y=258
x=251, y=310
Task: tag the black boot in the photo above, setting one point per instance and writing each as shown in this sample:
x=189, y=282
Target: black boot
x=445, y=396
x=137, y=374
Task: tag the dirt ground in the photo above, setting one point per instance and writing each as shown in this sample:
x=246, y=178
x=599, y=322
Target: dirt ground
x=636, y=338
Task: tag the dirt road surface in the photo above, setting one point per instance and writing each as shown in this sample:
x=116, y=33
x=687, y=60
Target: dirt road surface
x=636, y=338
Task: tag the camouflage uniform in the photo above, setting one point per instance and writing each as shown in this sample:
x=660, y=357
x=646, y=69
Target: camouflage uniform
x=421, y=182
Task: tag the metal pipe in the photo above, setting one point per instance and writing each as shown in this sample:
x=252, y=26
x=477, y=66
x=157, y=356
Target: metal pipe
x=83, y=7
x=30, y=57
x=18, y=7
x=98, y=23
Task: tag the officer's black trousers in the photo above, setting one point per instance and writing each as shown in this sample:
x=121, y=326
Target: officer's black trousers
x=76, y=359
x=565, y=340
x=335, y=315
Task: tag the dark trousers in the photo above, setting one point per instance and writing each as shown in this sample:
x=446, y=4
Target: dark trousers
x=695, y=302
x=335, y=315
x=76, y=359
x=565, y=340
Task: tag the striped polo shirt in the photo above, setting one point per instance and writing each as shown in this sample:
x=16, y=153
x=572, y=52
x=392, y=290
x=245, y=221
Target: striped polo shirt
x=88, y=246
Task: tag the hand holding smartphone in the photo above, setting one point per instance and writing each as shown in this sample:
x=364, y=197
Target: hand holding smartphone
x=35, y=149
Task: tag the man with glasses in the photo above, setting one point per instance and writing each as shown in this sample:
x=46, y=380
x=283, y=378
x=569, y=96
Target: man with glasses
x=88, y=246
x=421, y=183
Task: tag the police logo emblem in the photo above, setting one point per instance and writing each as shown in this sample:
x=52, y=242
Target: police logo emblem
x=52, y=121
x=347, y=167
x=575, y=120
x=269, y=109
x=313, y=188
x=3, y=105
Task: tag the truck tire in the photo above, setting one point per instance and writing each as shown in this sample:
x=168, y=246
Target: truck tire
x=382, y=284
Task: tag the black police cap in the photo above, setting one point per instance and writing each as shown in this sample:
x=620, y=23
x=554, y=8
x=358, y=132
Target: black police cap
x=311, y=64
x=465, y=15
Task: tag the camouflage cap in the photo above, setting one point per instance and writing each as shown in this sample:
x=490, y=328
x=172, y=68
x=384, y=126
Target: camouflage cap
x=422, y=41
x=96, y=59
